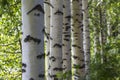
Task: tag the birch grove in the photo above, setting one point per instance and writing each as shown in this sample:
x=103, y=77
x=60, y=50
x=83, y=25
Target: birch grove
x=33, y=40
x=59, y=39
x=64, y=23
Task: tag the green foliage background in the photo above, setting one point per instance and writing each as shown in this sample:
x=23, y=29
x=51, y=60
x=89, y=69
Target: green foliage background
x=110, y=69
x=10, y=53
x=10, y=50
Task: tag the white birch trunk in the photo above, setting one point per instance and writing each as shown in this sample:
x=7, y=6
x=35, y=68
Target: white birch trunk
x=32, y=40
x=66, y=39
x=77, y=41
x=86, y=39
x=108, y=31
x=56, y=23
x=47, y=35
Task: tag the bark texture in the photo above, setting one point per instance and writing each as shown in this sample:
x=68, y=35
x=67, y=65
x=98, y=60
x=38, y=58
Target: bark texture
x=77, y=41
x=56, y=24
x=47, y=35
x=66, y=39
x=86, y=39
x=33, y=40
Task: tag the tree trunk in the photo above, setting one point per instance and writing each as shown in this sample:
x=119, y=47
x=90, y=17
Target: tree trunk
x=77, y=41
x=32, y=40
x=56, y=38
x=86, y=39
x=47, y=35
x=109, y=31
x=66, y=39
x=96, y=33
x=103, y=30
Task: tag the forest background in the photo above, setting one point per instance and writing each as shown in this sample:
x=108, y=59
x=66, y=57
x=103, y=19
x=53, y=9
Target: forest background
x=10, y=36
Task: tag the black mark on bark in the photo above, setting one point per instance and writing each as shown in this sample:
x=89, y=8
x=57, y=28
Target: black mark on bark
x=58, y=69
x=68, y=17
x=76, y=46
x=24, y=65
x=49, y=4
x=66, y=28
x=41, y=75
x=58, y=12
x=23, y=70
x=37, y=14
x=52, y=76
x=76, y=0
x=41, y=56
x=78, y=66
x=66, y=23
x=63, y=61
x=48, y=53
x=63, y=6
x=75, y=57
x=66, y=53
x=49, y=67
x=46, y=34
x=37, y=7
x=67, y=35
x=31, y=79
x=29, y=38
x=57, y=45
x=66, y=39
x=52, y=58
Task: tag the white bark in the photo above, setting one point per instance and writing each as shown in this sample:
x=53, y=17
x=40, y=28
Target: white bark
x=47, y=35
x=86, y=39
x=108, y=31
x=56, y=23
x=32, y=40
x=66, y=39
x=77, y=41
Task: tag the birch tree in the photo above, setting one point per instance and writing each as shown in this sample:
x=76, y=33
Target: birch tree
x=108, y=30
x=47, y=35
x=32, y=40
x=77, y=41
x=66, y=38
x=86, y=38
x=56, y=23
x=103, y=29
x=96, y=29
